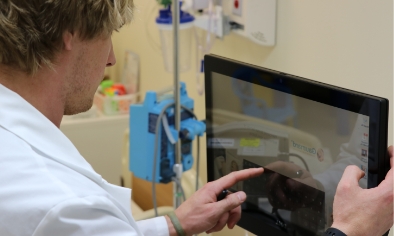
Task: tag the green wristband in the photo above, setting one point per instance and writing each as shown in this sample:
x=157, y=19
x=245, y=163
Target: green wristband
x=177, y=224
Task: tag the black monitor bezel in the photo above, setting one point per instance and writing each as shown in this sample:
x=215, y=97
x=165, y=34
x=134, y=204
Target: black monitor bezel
x=309, y=89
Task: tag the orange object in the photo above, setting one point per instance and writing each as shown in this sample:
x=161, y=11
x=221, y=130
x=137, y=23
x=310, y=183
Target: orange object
x=121, y=89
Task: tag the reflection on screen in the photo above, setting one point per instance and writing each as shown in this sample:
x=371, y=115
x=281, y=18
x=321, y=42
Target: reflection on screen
x=304, y=146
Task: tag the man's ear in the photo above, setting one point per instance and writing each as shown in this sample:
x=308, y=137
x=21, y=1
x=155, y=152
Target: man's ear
x=68, y=40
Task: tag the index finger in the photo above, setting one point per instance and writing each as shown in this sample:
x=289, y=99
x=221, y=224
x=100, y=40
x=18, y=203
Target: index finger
x=229, y=180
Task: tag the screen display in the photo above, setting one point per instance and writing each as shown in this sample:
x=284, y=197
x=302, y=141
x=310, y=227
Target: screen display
x=304, y=146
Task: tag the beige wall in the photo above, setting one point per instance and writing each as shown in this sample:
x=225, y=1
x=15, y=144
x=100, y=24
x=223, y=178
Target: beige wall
x=345, y=43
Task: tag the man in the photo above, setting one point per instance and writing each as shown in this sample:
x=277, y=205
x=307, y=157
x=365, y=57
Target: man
x=52, y=59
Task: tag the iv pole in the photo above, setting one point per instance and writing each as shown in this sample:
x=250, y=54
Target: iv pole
x=178, y=169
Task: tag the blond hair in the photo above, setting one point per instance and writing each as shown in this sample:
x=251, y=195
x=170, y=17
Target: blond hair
x=31, y=30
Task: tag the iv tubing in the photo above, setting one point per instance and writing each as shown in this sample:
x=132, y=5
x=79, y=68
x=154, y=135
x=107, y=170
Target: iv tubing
x=158, y=122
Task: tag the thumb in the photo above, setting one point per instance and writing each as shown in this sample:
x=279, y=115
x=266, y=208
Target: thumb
x=351, y=176
x=230, y=202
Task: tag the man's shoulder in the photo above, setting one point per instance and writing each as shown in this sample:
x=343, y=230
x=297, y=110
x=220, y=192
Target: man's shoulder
x=32, y=185
x=35, y=172
x=25, y=166
x=9, y=142
x=15, y=153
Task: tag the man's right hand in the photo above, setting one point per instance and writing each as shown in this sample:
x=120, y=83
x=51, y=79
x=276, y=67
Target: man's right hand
x=203, y=213
x=364, y=212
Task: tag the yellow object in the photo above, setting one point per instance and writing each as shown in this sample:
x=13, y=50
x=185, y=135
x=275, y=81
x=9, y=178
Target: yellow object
x=248, y=142
x=109, y=92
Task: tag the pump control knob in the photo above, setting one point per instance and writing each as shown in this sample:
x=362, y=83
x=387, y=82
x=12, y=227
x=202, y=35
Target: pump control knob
x=184, y=134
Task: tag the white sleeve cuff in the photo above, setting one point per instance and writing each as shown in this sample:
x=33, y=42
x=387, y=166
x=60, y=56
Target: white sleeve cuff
x=155, y=226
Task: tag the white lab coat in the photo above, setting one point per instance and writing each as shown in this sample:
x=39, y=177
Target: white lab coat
x=47, y=187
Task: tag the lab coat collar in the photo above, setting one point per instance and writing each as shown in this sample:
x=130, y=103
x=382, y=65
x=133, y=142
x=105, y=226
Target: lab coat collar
x=21, y=118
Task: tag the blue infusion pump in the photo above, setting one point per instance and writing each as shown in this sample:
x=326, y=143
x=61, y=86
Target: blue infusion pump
x=143, y=120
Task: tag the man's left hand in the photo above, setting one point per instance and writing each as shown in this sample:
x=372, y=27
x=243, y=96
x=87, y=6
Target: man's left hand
x=366, y=212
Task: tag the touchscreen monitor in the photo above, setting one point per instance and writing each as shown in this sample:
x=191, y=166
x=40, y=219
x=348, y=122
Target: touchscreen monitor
x=304, y=133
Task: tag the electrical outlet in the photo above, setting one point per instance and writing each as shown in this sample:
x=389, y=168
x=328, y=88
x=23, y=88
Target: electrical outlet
x=237, y=7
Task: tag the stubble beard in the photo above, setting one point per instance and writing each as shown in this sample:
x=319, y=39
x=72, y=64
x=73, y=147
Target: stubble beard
x=81, y=88
x=79, y=97
x=76, y=108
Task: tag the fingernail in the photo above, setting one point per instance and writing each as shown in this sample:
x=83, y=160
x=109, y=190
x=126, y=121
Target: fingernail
x=241, y=196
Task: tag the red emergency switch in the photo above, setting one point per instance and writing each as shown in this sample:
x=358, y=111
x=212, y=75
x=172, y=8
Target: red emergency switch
x=236, y=4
